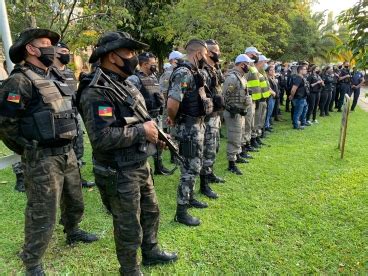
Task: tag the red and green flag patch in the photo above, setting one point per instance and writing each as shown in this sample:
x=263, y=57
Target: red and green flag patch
x=14, y=98
x=105, y=111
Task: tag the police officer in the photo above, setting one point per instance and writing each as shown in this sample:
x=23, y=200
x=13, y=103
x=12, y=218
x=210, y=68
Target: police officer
x=212, y=121
x=187, y=105
x=254, y=90
x=121, y=170
x=147, y=83
x=357, y=80
x=261, y=103
x=38, y=122
x=236, y=105
x=345, y=84
x=60, y=71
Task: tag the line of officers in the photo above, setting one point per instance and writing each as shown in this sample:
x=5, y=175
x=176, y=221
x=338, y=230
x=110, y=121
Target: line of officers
x=38, y=118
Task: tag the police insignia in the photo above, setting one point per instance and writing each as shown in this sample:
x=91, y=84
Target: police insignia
x=105, y=111
x=14, y=98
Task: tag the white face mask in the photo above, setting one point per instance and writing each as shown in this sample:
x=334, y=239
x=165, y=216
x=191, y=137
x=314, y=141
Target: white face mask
x=265, y=66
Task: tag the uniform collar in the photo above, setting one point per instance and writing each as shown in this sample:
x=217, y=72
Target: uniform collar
x=36, y=69
x=113, y=75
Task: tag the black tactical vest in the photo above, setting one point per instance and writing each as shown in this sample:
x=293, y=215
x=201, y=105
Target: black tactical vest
x=151, y=93
x=70, y=79
x=191, y=104
x=51, y=117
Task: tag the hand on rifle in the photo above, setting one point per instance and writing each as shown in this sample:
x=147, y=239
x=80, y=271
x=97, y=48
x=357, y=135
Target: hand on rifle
x=150, y=129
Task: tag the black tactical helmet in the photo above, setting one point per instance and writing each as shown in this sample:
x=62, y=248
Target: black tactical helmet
x=17, y=50
x=115, y=40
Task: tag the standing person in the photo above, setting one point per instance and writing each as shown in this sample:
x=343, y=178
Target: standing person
x=283, y=81
x=255, y=92
x=235, y=92
x=316, y=84
x=334, y=88
x=187, y=105
x=212, y=121
x=38, y=122
x=326, y=93
x=345, y=80
x=357, y=81
x=120, y=152
x=261, y=104
x=147, y=83
x=61, y=71
x=298, y=96
x=274, y=86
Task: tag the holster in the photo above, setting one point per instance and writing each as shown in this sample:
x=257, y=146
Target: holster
x=109, y=176
x=187, y=148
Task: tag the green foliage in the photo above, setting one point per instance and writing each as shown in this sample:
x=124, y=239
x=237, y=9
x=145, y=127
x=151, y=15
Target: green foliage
x=298, y=209
x=356, y=22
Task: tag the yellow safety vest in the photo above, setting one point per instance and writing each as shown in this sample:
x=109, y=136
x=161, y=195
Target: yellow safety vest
x=265, y=86
x=254, y=84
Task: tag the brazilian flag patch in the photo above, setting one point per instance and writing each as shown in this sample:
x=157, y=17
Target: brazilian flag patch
x=105, y=111
x=14, y=98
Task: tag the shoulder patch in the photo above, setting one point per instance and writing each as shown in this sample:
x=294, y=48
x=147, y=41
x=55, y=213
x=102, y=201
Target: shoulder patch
x=13, y=97
x=105, y=111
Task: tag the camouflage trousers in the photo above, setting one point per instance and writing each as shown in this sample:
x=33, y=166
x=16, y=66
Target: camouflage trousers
x=18, y=168
x=130, y=196
x=211, y=143
x=78, y=145
x=190, y=138
x=49, y=180
x=234, y=126
x=248, y=120
x=260, y=117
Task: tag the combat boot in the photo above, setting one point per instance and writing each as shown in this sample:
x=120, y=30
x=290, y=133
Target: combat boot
x=183, y=217
x=205, y=189
x=87, y=184
x=212, y=178
x=19, y=185
x=196, y=203
x=233, y=168
x=80, y=235
x=259, y=141
x=240, y=160
x=249, y=148
x=159, y=168
x=254, y=144
x=35, y=271
x=244, y=153
x=157, y=256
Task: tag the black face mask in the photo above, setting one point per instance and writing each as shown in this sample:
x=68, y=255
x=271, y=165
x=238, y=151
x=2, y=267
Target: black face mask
x=347, y=67
x=317, y=72
x=129, y=64
x=255, y=58
x=47, y=55
x=245, y=68
x=215, y=57
x=64, y=58
x=153, y=68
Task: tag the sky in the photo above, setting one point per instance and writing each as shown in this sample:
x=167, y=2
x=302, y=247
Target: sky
x=333, y=5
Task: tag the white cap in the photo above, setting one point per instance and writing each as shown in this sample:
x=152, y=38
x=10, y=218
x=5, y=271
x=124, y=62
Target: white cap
x=252, y=50
x=263, y=58
x=175, y=55
x=243, y=58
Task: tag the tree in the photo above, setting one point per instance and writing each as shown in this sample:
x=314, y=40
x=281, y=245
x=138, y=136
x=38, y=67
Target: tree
x=355, y=20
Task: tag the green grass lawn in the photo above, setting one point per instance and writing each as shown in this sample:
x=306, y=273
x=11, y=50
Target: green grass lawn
x=298, y=209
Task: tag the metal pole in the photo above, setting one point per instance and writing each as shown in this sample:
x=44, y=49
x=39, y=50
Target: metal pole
x=5, y=34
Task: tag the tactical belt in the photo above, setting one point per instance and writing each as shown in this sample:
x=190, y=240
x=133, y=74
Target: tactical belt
x=189, y=120
x=235, y=110
x=114, y=165
x=55, y=151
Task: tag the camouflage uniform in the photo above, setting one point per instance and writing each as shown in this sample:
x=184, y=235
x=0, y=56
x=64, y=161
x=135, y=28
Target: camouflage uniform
x=164, y=87
x=51, y=170
x=212, y=125
x=121, y=170
x=149, y=88
x=189, y=133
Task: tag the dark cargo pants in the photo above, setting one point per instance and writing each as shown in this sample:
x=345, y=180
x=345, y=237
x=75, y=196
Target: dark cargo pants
x=48, y=181
x=131, y=198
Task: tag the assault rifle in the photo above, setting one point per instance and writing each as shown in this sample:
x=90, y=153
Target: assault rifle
x=140, y=113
